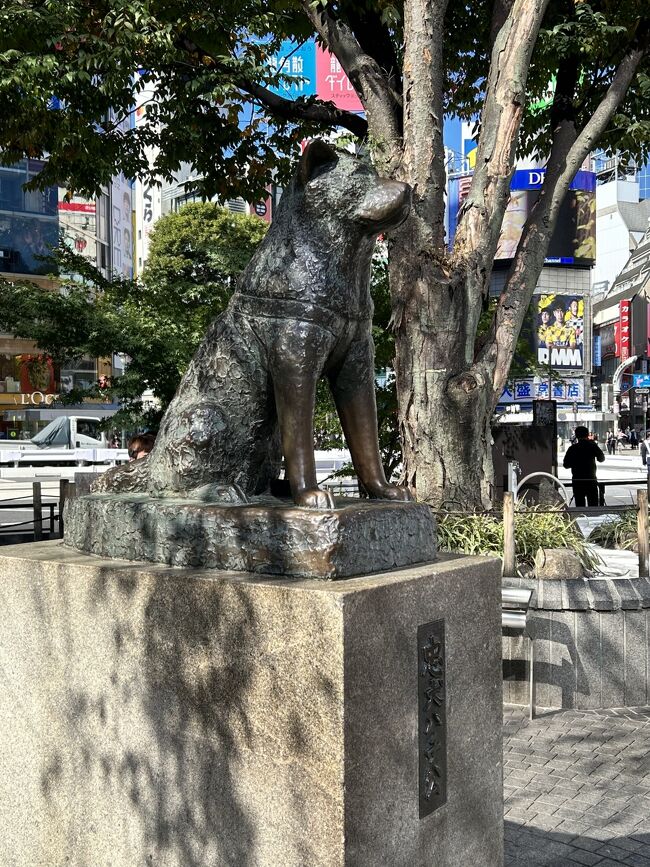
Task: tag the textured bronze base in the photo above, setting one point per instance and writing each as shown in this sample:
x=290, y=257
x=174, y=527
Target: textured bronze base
x=267, y=535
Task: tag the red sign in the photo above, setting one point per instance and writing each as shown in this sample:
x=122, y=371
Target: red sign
x=79, y=207
x=624, y=328
x=333, y=85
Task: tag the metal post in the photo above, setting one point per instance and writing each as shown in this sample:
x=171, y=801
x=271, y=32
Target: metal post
x=64, y=493
x=511, y=480
x=38, y=511
x=532, y=686
x=509, y=570
x=642, y=526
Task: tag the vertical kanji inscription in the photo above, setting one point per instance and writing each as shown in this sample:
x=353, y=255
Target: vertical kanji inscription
x=432, y=717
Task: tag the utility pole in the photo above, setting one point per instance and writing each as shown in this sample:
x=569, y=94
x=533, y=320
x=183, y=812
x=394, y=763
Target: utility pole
x=616, y=382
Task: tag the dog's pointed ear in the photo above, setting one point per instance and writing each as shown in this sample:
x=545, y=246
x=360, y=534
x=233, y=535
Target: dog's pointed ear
x=317, y=153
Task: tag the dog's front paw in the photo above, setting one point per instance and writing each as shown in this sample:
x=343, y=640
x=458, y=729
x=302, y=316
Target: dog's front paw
x=315, y=498
x=392, y=492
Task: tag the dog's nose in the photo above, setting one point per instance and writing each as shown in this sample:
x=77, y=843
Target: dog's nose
x=387, y=204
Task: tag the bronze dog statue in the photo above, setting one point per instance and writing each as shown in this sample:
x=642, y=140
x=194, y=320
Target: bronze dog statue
x=302, y=310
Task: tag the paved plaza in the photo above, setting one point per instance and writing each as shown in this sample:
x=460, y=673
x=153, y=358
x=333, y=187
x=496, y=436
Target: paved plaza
x=577, y=788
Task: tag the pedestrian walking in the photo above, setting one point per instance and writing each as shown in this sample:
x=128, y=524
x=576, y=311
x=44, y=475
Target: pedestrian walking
x=644, y=449
x=581, y=460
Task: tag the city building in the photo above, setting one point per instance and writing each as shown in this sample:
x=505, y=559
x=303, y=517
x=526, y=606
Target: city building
x=31, y=222
x=621, y=331
x=622, y=214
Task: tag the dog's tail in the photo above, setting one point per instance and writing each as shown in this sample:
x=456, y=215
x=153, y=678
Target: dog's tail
x=131, y=478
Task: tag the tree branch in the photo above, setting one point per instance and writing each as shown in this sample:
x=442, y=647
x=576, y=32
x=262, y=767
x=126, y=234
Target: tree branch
x=375, y=39
x=500, y=12
x=568, y=153
x=316, y=112
x=423, y=162
x=481, y=216
x=382, y=105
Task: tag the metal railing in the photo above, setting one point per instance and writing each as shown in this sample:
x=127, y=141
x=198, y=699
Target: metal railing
x=46, y=520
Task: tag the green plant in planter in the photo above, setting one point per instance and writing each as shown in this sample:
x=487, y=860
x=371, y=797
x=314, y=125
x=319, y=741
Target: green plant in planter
x=618, y=533
x=535, y=528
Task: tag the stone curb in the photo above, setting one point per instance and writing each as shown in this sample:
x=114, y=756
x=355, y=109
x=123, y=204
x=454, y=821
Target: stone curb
x=585, y=594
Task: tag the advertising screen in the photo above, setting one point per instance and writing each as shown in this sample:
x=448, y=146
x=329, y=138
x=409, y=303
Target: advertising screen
x=574, y=240
x=558, y=331
x=609, y=340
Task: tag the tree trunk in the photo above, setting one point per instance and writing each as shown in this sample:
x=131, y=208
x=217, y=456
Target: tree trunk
x=445, y=402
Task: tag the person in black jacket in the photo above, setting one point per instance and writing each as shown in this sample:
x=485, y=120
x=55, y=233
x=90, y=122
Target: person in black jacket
x=581, y=460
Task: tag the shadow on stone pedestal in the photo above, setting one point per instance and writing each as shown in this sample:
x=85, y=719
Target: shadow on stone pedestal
x=184, y=718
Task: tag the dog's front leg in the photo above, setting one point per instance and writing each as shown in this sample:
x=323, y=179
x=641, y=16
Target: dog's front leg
x=353, y=389
x=296, y=365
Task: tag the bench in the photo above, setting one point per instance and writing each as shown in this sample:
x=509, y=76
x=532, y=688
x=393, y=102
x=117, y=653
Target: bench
x=515, y=604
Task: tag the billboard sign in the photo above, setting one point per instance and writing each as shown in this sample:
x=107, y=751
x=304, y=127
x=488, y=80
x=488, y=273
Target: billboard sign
x=297, y=61
x=558, y=331
x=574, y=240
x=525, y=390
x=641, y=380
x=609, y=340
x=122, y=227
x=147, y=195
x=597, y=351
x=333, y=85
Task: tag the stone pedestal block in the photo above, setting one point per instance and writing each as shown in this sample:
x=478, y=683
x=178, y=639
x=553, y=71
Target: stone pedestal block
x=183, y=718
x=266, y=535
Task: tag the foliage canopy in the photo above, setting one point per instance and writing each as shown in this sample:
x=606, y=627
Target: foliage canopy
x=210, y=67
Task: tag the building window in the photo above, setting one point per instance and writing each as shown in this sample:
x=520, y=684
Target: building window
x=78, y=374
x=29, y=225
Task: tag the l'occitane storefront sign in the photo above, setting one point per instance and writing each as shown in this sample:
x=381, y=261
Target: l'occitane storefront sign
x=34, y=398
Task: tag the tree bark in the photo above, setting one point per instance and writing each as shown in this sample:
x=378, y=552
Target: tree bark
x=447, y=384
x=444, y=396
x=443, y=405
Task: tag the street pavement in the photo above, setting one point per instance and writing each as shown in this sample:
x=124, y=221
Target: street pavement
x=577, y=788
x=577, y=783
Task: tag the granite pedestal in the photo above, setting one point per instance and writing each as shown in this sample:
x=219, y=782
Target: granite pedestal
x=182, y=718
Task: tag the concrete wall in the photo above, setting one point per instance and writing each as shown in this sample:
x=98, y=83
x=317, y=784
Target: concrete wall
x=592, y=645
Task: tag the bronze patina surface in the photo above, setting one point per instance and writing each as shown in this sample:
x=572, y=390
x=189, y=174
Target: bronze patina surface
x=302, y=311
x=265, y=535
